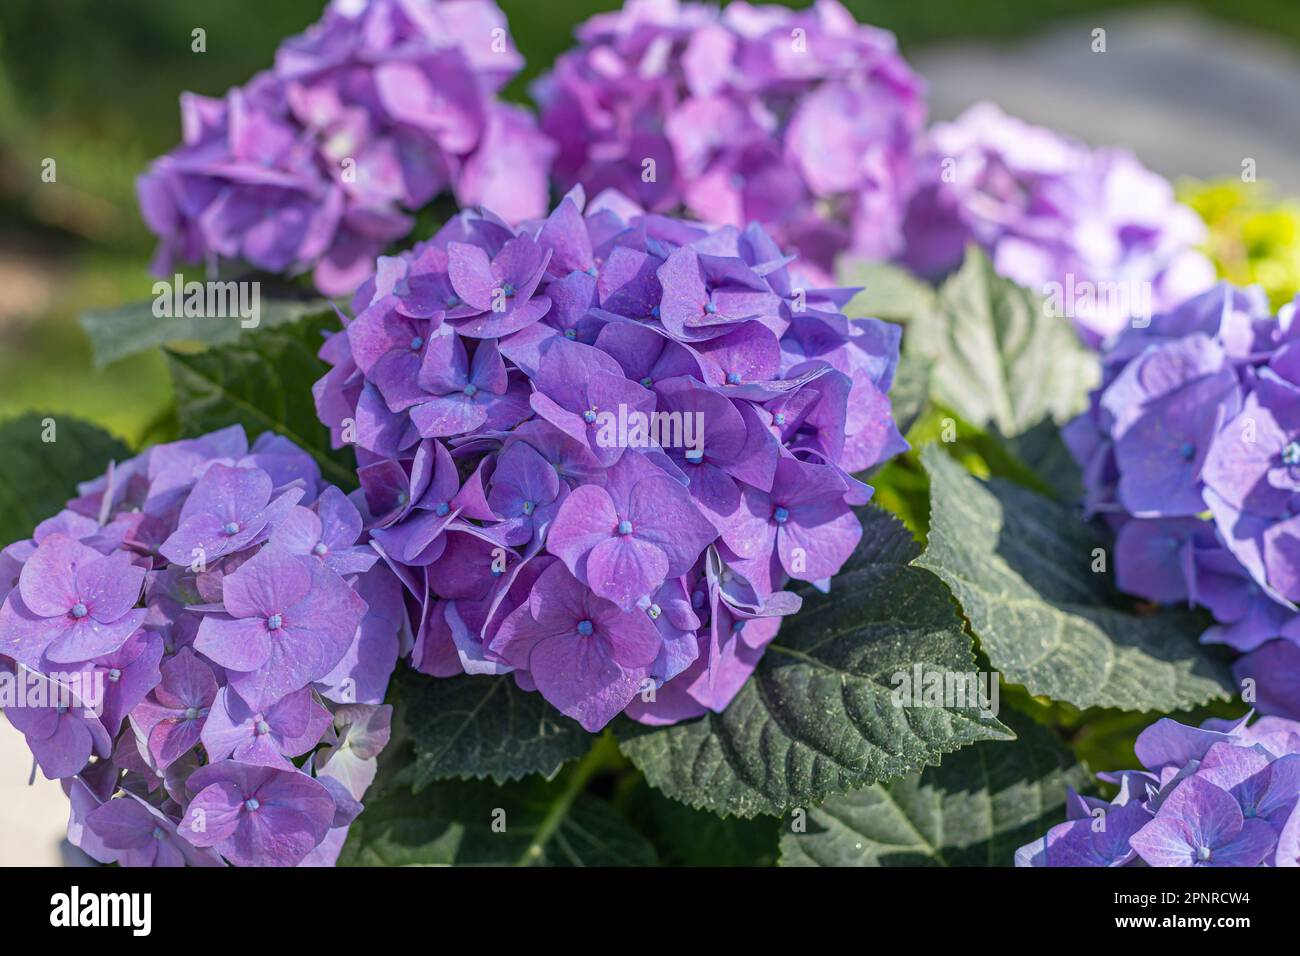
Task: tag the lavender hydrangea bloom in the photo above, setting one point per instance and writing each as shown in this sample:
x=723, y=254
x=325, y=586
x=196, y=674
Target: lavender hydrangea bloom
x=803, y=120
x=368, y=115
x=1190, y=451
x=1051, y=211
x=206, y=601
x=567, y=430
x=1223, y=794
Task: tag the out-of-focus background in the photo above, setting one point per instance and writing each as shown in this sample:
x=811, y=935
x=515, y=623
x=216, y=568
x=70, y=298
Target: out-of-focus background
x=1195, y=88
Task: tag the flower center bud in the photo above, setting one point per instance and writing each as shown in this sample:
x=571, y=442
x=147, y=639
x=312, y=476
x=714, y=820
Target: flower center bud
x=710, y=308
x=508, y=291
x=695, y=455
x=654, y=610
x=441, y=509
x=263, y=728
x=625, y=527
x=114, y=674
x=191, y=713
x=592, y=271
x=589, y=416
x=1202, y=853
x=319, y=549
x=231, y=527
x=779, y=418
x=733, y=378
x=654, y=312
x=453, y=301
x=737, y=626
x=251, y=804
x=471, y=390
x=1291, y=453
x=570, y=334
x=528, y=507
x=1188, y=451
x=417, y=343
x=647, y=381
x=79, y=610
x=781, y=515
x=159, y=833
x=274, y=622
x=585, y=627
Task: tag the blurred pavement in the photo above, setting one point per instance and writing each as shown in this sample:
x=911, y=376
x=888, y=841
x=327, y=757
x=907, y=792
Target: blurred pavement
x=33, y=820
x=1191, y=96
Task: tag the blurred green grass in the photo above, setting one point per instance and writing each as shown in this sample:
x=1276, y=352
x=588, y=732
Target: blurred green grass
x=94, y=85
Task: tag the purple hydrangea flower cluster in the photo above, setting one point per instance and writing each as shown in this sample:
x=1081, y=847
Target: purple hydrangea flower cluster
x=595, y=448
x=803, y=120
x=368, y=115
x=1190, y=450
x=1222, y=794
x=1094, y=229
x=200, y=644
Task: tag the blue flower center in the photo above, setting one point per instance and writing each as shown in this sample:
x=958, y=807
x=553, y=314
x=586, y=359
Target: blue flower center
x=231, y=527
x=453, y=301
x=319, y=549
x=647, y=381
x=403, y=497
x=779, y=418
x=528, y=507
x=263, y=728
x=710, y=308
x=1202, y=853
x=191, y=713
x=585, y=627
x=417, y=343
x=592, y=271
x=589, y=416
x=1187, y=450
x=570, y=334
x=159, y=833
x=114, y=674
x=733, y=378
x=441, y=508
x=781, y=515
x=471, y=390
x=654, y=610
x=274, y=622
x=1291, y=453
x=79, y=610
x=251, y=804
x=654, y=312
x=508, y=291
x=737, y=626
x=625, y=527
x=695, y=455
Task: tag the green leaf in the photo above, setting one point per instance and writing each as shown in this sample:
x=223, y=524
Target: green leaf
x=888, y=292
x=1021, y=566
x=910, y=393
x=1000, y=359
x=129, y=329
x=974, y=809
x=817, y=717
x=686, y=836
x=37, y=476
x=473, y=823
x=484, y=727
x=262, y=381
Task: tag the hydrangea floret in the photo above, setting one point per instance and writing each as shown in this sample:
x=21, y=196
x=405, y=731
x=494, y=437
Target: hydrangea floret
x=597, y=448
x=188, y=641
x=1190, y=451
x=1222, y=794
x=803, y=120
x=316, y=164
x=1100, y=235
